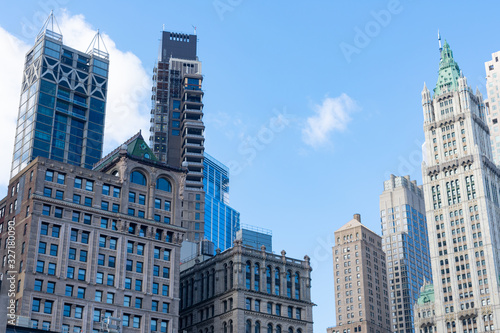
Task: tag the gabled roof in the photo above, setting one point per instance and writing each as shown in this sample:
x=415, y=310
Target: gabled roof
x=136, y=148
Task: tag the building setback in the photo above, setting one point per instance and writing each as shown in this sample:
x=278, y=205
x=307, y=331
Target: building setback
x=461, y=190
x=406, y=244
x=492, y=68
x=177, y=130
x=63, y=102
x=247, y=290
x=92, y=244
x=221, y=221
x=361, y=296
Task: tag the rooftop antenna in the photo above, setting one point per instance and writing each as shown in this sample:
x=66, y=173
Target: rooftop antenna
x=48, y=28
x=95, y=46
x=194, y=29
x=163, y=28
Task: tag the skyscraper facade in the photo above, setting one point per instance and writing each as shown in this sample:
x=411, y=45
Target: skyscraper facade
x=361, y=294
x=63, y=102
x=177, y=130
x=406, y=244
x=221, y=221
x=492, y=68
x=461, y=191
x=94, y=248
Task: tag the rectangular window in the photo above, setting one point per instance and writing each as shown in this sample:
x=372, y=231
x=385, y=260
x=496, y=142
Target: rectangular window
x=46, y=210
x=49, y=176
x=72, y=254
x=105, y=189
x=81, y=274
x=69, y=290
x=140, y=213
x=131, y=197
x=157, y=203
x=83, y=256
x=58, y=212
x=89, y=185
x=70, y=273
x=53, y=250
x=78, y=182
x=85, y=237
x=127, y=300
x=44, y=230
x=116, y=192
x=167, y=205
x=48, y=307
x=104, y=223
x=56, y=231
x=154, y=305
x=104, y=205
x=42, y=247
x=166, y=272
x=61, y=178
x=75, y=217
x=38, y=285
x=100, y=277
x=166, y=308
x=116, y=208
x=166, y=255
x=87, y=218
x=80, y=293
x=35, y=306
x=131, y=211
x=98, y=296
x=88, y=202
x=165, y=290
x=110, y=298
x=138, y=285
x=128, y=283
x=59, y=195
x=111, y=280
x=51, y=269
x=142, y=199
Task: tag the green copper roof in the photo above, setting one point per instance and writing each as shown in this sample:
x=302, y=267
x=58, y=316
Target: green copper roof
x=427, y=295
x=449, y=72
x=138, y=148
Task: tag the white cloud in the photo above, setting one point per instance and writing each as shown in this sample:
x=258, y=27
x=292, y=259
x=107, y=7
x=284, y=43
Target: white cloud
x=332, y=115
x=11, y=69
x=129, y=87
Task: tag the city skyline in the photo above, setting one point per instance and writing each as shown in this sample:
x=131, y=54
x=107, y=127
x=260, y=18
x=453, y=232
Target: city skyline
x=252, y=134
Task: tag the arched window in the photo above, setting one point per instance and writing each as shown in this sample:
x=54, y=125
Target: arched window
x=300, y=331
x=288, y=284
x=268, y=279
x=277, y=282
x=256, y=278
x=225, y=327
x=248, y=275
x=257, y=327
x=278, y=329
x=269, y=328
x=290, y=330
x=230, y=326
x=163, y=185
x=137, y=177
x=297, y=285
x=248, y=326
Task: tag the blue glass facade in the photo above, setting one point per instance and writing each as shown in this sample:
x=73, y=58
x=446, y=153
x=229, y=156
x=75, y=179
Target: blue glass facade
x=221, y=221
x=406, y=244
x=62, y=107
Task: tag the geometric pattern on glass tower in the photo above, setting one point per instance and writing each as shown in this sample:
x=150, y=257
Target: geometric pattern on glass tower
x=461, y=190
x=63, y=100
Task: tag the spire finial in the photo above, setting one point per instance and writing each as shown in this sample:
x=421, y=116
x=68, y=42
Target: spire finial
x=439, y=40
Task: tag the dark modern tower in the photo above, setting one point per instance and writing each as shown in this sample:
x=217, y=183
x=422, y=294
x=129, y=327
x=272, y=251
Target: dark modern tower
x=177, y=130
x=63, y=102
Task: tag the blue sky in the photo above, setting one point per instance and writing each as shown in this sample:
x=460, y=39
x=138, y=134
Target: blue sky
x=312, y=104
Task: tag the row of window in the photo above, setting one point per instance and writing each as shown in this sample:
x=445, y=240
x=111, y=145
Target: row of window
x=256, y=307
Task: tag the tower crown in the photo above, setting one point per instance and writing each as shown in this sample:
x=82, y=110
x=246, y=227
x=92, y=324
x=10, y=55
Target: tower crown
x=449, y=72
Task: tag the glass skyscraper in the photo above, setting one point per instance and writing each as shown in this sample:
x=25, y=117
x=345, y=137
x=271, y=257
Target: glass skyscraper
x=406, y=244
x=63, y=101
x=221, y=221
